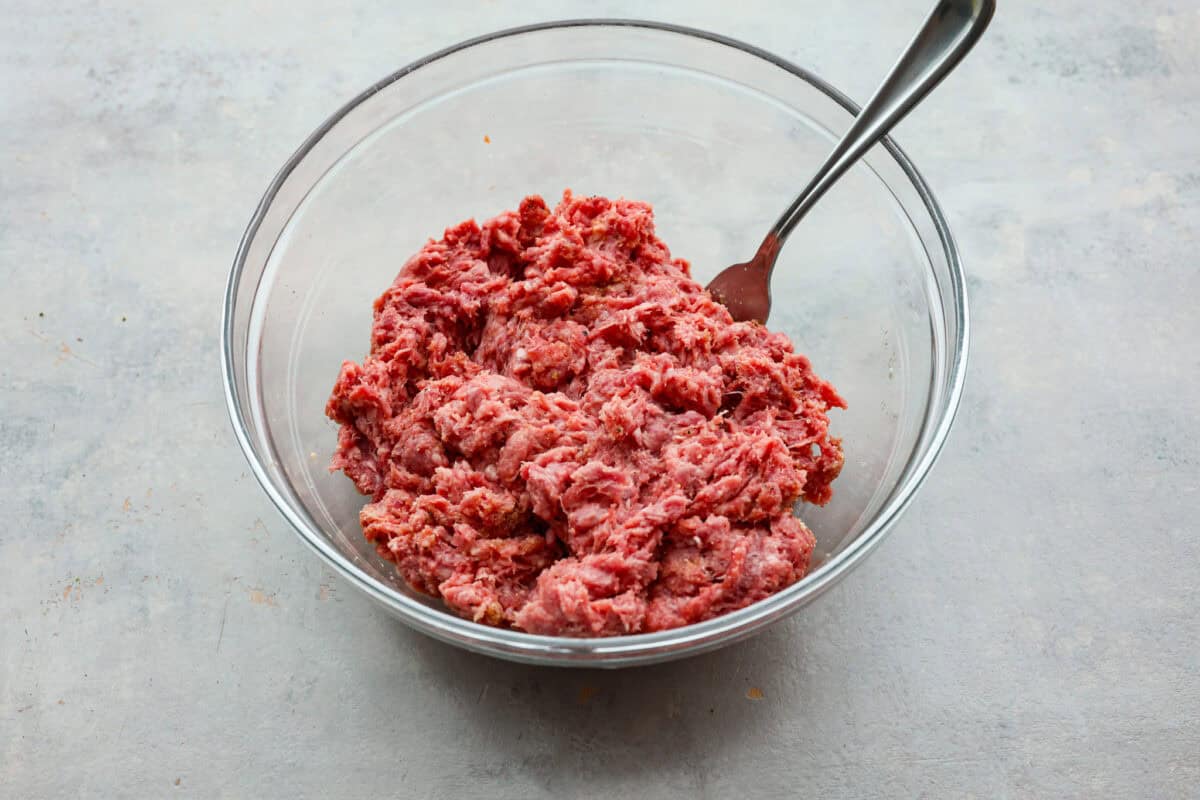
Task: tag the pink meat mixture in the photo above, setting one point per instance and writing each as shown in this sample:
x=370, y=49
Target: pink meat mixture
x=563, y=433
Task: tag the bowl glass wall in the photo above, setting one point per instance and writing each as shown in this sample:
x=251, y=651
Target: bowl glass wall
x=718, y=137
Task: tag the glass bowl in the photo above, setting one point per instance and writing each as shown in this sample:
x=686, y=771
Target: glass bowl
x=718, y=136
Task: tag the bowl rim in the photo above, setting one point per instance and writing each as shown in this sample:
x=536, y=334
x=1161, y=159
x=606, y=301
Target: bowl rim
x=631, y=648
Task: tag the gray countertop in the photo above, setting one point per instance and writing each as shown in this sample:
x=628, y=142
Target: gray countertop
x=1030, y=629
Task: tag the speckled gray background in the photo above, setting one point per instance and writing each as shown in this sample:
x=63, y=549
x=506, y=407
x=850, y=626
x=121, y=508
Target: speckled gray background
x=1031, y=629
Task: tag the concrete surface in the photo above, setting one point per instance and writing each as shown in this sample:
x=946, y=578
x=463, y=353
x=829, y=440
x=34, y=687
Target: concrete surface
x=1031, y=629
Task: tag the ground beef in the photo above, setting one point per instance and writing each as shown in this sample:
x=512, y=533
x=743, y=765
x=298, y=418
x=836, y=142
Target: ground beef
x=563, y=433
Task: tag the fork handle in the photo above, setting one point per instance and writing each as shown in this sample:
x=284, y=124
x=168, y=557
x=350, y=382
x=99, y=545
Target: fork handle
x=952, y=29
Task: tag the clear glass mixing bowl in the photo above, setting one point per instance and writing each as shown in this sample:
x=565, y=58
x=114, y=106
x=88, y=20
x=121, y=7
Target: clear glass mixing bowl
x=719, y=136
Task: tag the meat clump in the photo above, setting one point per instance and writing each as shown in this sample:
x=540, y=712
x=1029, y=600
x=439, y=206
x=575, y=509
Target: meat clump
x=563, y=433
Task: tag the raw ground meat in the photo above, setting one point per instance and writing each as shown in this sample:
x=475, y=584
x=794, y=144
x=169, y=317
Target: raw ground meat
x=561, y=431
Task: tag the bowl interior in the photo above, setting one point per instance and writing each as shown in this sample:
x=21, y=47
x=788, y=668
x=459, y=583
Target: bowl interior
x=717, y=139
